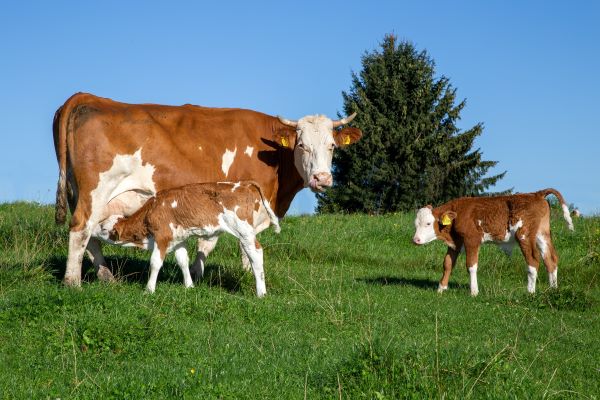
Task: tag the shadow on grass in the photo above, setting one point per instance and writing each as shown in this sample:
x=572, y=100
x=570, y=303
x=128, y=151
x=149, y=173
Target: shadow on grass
x=396, y=281
x=134, y=270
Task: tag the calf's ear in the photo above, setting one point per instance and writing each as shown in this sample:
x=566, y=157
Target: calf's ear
x=346, y=136
x=447, y=217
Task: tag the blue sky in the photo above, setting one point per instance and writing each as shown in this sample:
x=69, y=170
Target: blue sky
x=529, y=71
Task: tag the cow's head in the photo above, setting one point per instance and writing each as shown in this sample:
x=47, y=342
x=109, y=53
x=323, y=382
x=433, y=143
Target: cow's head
x=313, y=144
x=432, y=224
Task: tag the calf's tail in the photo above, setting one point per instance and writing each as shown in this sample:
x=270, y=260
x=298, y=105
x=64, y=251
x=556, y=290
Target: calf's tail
x=563, y=204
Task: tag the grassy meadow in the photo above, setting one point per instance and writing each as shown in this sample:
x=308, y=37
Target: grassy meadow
x=351, y=312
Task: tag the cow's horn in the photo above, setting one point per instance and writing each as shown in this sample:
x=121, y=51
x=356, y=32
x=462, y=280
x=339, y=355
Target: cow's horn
x=288, y=122
x=344, y=121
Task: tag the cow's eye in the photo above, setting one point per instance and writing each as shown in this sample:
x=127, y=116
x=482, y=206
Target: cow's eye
x=429, y=223
x=303, y=147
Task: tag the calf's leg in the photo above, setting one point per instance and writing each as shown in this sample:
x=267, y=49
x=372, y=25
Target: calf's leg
x=472, y=253
x=183, y=260
x=449, y=263
x=255, y=254
x=532, y=257
x=550, y=257
x=156, y=261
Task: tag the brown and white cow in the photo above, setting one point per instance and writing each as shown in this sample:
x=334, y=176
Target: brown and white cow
x=114, y=156
x=203, y=210
x=469, y=221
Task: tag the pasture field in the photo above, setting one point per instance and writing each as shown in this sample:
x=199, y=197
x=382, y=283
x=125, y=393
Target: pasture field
x=351, y=312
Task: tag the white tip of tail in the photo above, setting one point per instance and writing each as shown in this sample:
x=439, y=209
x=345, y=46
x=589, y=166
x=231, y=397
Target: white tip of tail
x=567, y=216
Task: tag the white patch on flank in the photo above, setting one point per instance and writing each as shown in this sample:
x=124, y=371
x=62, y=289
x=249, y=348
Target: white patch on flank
x=174, y=204
x=200, y=148
x=235, y=186
x=531, y=278
x=249, y=150
x=129, y=176
x=473, y=275
x=228, y=157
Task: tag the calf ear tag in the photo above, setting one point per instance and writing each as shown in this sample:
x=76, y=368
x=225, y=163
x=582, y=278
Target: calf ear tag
x=284, y=142
x=347, y=139
x=446, y=220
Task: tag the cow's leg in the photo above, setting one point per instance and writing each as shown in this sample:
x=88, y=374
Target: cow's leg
x=550, y=257
x=156, y=262
x=449, y=263
x=255, y=253
x=205, y=246
x=94, y=252
x=78, y=241
x=183, y=260
x=472, y=253
x=532, y=257
x=245, y=260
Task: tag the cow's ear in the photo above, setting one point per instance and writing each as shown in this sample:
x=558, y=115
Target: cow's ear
x=447, y=218
x=346, y=136
x=286, y=138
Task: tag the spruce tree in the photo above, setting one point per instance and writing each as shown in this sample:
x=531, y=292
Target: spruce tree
x=411, y=152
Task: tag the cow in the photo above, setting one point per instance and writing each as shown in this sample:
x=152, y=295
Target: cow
x=205, y=210
x=114, y=156
x=468, y=222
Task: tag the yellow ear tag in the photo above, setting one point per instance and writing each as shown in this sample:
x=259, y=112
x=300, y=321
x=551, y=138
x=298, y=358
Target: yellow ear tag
x=284, y=142
x=347, y=139
x=446, y=220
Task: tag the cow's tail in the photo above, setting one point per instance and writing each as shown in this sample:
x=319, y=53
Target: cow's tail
x=563, y=204
x=272, y=216
x=59, y=129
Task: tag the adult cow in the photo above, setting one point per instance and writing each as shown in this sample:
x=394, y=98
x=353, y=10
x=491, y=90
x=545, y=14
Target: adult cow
x=113, y=156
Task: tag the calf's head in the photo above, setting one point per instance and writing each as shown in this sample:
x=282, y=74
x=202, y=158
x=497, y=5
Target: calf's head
x=432, y=224
x=313, y=144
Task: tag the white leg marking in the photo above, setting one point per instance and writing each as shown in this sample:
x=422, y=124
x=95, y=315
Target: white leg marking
x=473, y=275
x=228, y=157
x=183, y=260
x=553, y=278
x=442, y=288
x=156, y=262
x=541, y=243
x=77, y=244
x=531, y=278
x=245, y=260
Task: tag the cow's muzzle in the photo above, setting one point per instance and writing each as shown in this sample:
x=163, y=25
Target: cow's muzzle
x=320, y=181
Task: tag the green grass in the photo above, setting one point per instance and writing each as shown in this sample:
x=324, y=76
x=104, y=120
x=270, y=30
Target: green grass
x=351, y=312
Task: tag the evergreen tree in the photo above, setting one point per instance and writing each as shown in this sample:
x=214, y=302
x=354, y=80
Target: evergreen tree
x=411, y=152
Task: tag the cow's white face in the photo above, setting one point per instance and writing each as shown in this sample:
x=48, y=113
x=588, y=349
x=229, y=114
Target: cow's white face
x=313, y=152
x=313, y=144
x=425, y=224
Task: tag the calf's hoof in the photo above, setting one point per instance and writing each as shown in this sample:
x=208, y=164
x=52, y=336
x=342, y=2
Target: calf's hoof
x=442, y=288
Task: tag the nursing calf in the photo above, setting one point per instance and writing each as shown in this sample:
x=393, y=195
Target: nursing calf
x=204, y=210
x=469, y=221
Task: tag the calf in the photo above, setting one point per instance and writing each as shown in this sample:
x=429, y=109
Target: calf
x=204, y=210
x=469, y=221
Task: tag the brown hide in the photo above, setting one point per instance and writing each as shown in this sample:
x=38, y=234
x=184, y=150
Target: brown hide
x=185, y=144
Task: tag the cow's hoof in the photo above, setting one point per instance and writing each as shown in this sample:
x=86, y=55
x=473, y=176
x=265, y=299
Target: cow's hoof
x=104, y=275
x=72, y=281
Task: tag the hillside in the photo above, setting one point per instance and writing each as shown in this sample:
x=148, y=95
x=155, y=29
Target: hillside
x=351, y=312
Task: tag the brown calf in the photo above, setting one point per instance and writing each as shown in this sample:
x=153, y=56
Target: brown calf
x=204, y=210
x=469, y=221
